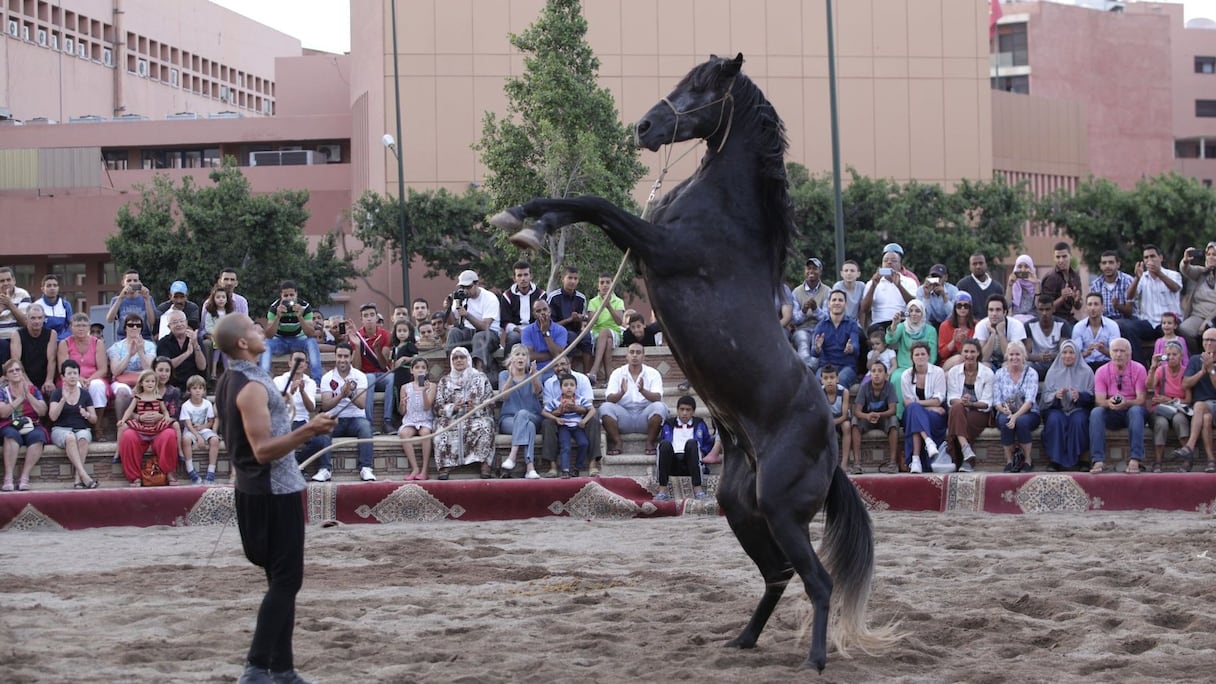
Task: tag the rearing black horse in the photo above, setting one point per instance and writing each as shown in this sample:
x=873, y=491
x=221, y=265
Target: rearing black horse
x=712, y=255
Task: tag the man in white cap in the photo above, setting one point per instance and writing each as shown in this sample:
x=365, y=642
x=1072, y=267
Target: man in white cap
x=475, y=318
x=178, y=293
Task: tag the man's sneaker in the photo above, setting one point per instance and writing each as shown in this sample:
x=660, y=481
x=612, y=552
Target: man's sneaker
x=532, y=475
x=288, y=677
x=662, y=496
x=931, y=448
x=366, y=474
x=915, y=465
x=210, y=478
x=255, y=675
x=193, y=475
x=552, y=470
x=323, y=475
x=508, y=464
x=968, y=466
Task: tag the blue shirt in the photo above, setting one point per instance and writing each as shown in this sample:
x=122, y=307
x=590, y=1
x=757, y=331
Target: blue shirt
x=1084, y=336
x=836, y=338
x=58, y=316
x=534, y=340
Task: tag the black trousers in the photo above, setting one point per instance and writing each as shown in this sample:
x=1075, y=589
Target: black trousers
x=272, y=534
x=686, y=463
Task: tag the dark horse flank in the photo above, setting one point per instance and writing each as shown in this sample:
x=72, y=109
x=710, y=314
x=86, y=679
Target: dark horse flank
x=712, y=254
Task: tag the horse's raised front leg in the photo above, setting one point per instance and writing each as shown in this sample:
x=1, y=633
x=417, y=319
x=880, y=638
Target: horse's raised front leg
x=624, y=229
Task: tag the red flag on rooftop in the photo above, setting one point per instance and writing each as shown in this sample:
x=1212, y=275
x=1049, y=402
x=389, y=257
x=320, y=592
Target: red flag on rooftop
x=994, y=15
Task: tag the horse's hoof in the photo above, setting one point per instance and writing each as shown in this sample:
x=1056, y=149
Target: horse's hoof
x=817, y=663
x=508, y=220
x=529, y=238
x=740, y=642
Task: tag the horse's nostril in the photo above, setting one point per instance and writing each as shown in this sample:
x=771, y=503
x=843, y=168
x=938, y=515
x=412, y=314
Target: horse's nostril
x=643, y=126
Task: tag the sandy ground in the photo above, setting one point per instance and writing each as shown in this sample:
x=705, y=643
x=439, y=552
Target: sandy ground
x=986, y=598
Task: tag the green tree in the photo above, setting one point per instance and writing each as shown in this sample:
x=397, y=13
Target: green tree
x=561, y=137
x=1098, y=216
x=189, y=231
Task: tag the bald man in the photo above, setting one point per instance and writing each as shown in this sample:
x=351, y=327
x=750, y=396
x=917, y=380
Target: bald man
x=1119, y=397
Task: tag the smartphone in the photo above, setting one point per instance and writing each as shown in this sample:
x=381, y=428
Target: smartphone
x=421, y=379
x=342, y=328
x=884, y=272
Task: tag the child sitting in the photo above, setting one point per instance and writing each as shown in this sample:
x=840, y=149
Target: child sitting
x=874, y=409
x=695, y=440
x=416, y=401
x=198, y=427
x=838, y=401
x=571, y=416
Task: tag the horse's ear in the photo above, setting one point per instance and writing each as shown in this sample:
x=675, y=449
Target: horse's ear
x=733, y=66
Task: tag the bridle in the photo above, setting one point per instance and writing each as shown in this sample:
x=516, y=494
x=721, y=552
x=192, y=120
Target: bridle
x=729, y=97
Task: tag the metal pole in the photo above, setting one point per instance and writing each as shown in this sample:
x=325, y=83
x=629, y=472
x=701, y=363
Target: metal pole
x=405, y=251
x=836, y=196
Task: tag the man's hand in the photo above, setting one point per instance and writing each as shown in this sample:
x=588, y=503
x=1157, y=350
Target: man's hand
x=624, y=385
x=320, y=424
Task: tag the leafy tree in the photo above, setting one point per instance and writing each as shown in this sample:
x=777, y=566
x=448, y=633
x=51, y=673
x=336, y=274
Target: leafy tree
x=189, y=231
x=561, y=137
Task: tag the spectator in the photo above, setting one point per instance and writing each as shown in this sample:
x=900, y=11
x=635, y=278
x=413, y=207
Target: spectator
x=1014, y=393
x=809, y=299
x=134, y=299
x=457, y=398
x=1156, y=291
x=37, y=347
x=298, y=390
x=475, y=319
x=638, y=332
x=1200, y=370
x=404, y=349
x=1063, y=285
x=880, y=352
x=1203, y=292
x=1119, y=395
x=401, y=314
x=695, y=440
x=783, y=302
x=374, y=349
x=343, y=394
x=901, y=335
x=72, y=418
x=218, y=305
x=838, y=402
x=568, y=307
x=97, y=330
x=149, y=422
x=887, y=293
x=1068, y=395
x=551, y=391
x=197, y=420
x=969, y=394
x=1022, y=287
x=924, y=392
x=635, y=404
x=997, y=330
x=521, y=409
x=14, y=301
x=89, y=354
x=428, y=340
x=838, y=339
x=57, y=309
x=938, y=294
x=1170, y=321
x=853, y=289
x=1094, y=335
x=170, y=394
x=227, y=280
x=177, y=300
x=1113, y=284
x=417, y=402
x=1045, y=335
x=518, y=303
x=874, y=409
x=21, y=407
x=439, y=321
x=541, y=338
x=1170, y=402
x=289, y=327
x=607, y=326
x=128, y=357
x=898, y=251
x=182, y=349
x=572, y=415
x=979, y=284
x=420, y=311
x=955, y=330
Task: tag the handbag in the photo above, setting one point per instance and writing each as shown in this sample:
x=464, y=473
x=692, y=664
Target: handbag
x=151, y=475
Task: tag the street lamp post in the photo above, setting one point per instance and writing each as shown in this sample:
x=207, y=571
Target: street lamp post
x=388, y=142
x=838, y=213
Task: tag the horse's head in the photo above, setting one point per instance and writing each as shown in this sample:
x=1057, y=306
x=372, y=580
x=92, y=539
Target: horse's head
x=699, y=107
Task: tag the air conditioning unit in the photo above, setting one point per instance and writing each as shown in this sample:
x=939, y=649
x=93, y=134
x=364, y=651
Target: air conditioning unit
x=298, y=158
x=54, y=42
x=14, y=28
x=107, y=57
x=333, y=153
x=282, y=158
x=82, y=50
x=42, y=37
x=224, y=93
x=173, y=76
x=69, y=46
x=183, y=116
x=25, y=33
x=141, y=67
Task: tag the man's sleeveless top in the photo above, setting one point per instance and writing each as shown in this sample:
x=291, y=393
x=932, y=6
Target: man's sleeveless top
x=281, y=476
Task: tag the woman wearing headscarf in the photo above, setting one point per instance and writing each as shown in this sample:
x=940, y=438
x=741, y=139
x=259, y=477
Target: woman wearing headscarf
x=1068, y=394
x=900, y=336
x=472, y=440
x=1203, y=291
x=1022, y=287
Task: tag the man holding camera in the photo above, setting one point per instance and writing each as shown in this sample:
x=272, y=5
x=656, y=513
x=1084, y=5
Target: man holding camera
x=887, y=293
x=938, y=294
x=475, y=316
x=1156, y=291
x=178, y=300
x=1119, y=397
x=134, y=299
x=289, y=328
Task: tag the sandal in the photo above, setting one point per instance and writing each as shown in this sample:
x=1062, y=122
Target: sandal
x=443, y=475
x=614, y=452
x=857, y=469
x=1097, y=468
x=23, y=485
x=93, y=484
x=650, y=451
x=888, y=468
x=1133, y=467
x=78, y=485
x=1211, y=467
x=1156, y=468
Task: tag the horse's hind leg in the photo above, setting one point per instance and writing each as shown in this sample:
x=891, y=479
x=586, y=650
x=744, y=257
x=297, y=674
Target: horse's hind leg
x=737, y=497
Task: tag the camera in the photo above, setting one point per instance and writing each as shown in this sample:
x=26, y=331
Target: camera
x=461, y=296
x=1021, y=274
x=1162, y=357
x=342, y=328
x=1117, y=399
x=289, y=304
x=885, y=272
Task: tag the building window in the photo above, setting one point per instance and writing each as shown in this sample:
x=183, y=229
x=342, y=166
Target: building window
x=1186, y=149
x=1011, y=45
x=1207, y=182
x=116, y=160
x=1205, y=108
x=1012, y=84
x=1205, y=65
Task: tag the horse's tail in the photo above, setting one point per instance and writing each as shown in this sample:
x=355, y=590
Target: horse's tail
x=847, y=552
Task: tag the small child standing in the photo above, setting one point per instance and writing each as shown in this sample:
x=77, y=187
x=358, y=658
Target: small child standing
x=198, y=428
x=571, y=416
x=838, y=401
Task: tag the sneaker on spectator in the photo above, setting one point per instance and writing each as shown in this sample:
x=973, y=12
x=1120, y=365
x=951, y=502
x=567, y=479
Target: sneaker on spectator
x=662, y=496
x=552, y=470
x=209, y=478
x=366, y=474
x=532, y=475
x=931, y=448
x=968, y=453
x=699, y=495
x=193, y=475
x=915, y=465
x=323, y=475
x=968, y=466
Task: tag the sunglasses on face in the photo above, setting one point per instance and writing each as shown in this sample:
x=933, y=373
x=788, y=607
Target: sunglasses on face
x=962, y=305
x=135, y=325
